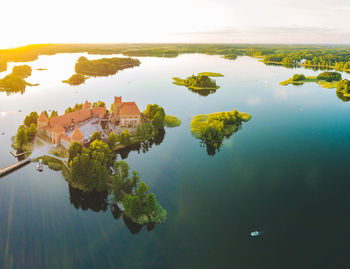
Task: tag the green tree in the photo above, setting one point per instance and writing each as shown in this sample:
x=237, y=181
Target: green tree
x=74, y=150
x=31, y=119
x=96, y=136
x=125, y=137
x=21, y=137
x=158, y=121
x=31, y=131
x=101, y=152
x=23, y=71
x=54, y=114
x=112, y=140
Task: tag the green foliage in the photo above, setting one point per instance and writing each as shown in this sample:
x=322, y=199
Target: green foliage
x=31, y=119
x=151, y=111
x=75, y=149
x=200, y=82
x=343, y=90
x=98, y=104
x=298, y=77
x=75, y=79
x=75, y=108
x=329, y=76
x=90, y=168
x=54, y=113
x=96, y=136
x=21, y=136
x=112, y=140
x=158, y=121
x=125, y=137
x=22, y=71
x=31, y=131
x=212, y=128
x=104, y=66
x=13, y=83
x=171, y=121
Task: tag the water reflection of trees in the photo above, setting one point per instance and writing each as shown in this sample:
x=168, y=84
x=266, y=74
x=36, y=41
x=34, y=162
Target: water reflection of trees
x=142, y=146
x=341, y=96
x=202, y=92
x=213, y=149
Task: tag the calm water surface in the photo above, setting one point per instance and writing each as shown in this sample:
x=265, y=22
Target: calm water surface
x=285, y=173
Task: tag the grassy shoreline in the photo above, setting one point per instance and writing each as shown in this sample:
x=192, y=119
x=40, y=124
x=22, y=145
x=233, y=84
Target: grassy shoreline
x=321, y=82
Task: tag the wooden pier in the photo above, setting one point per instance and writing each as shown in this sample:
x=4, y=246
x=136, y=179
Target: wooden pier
x=13, y=167
x=19, y=154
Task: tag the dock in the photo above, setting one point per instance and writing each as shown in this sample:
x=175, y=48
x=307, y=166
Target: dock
x=13, y=167
x=19, y=154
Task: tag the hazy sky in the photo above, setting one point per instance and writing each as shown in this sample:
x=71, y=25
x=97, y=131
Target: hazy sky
x=229, y=21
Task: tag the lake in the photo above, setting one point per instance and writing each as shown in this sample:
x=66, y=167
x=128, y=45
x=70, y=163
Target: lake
x=283, y=174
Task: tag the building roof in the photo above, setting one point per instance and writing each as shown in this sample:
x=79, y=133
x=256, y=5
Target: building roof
x=42, y=117
x=99, y=112
x=77, y=135
x=58, y=129
x=129, y=108
x=117, y=99
x=86, y=105
x=65, y=138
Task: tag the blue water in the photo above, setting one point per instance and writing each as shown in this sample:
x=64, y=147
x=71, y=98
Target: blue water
x=284, y=173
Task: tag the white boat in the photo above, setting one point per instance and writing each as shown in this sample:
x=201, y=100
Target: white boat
x=40, y=165
x=120, y=206
x=255, y=233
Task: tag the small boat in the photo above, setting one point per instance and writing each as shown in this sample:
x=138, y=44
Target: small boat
x=40, y=165
x=120, y=206
x=255, y=233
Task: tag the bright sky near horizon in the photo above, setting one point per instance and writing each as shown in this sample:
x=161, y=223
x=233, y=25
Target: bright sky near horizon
x=206, y=21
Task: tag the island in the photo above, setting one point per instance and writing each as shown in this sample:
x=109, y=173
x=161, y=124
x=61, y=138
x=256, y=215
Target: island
x=15, y=82
x=325, y=79
x=200, y=84
x=343, y=90
x=104, y=66
x=3, y=65
x=212, y=128
x=76, y=79
x=83, y=141
x=210, y=74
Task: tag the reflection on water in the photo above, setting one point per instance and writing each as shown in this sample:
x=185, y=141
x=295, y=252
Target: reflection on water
x=143, y=146
x=202, y=92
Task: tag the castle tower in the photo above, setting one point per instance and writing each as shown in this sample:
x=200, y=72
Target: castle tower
x=42, y=121
x=118, y=106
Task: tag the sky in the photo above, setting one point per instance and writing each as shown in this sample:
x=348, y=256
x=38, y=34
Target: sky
x=157, y=21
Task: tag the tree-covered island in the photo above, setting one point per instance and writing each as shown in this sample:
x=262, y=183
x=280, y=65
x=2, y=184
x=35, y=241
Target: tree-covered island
x=343, y=90
x=15, y=82
x=76, y=79
x=201, y=84
x=325, y=79
x=99, y=67
x=212, y=128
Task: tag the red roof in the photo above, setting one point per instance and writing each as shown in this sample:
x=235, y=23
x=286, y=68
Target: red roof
x=58, y=129
x=86, y=105
x=77, y=135
x=129, y=108
x=65, y=138
x=42, y=117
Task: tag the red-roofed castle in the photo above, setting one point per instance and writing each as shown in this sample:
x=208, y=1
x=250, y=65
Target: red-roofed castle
x=64, y=129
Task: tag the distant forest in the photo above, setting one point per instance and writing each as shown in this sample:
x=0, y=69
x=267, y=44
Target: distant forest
x=310, y=56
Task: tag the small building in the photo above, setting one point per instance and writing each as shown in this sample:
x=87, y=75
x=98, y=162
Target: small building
x=125, y=114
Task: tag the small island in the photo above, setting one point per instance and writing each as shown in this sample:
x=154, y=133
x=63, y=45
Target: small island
x=212, y=128
x=326, y=79
x=76, y=79
x=200, y=84
x=343, y=90
x=15, y=82
x=210, y=74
